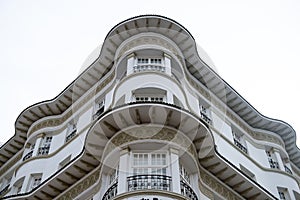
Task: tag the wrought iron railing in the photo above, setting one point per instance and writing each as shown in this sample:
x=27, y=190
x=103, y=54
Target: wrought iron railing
x=71, y=135
x=98, y=112
x=273, y=163
x=43, y=150
x=205, y=117
x=144, y=182
x=288, y=170
x=4, y=190
x=28, y=155
x=240, y=146
x=187, y=191
x=111, y=192
x=149, y=67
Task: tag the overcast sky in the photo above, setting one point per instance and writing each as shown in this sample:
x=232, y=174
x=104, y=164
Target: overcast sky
x=255, y=46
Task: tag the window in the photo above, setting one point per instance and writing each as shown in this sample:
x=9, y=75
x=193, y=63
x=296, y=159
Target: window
x=184, y=174
x=45, y=146
x=98, y=109
x=35, y=181
x=283, y=193
x=18, y=186
x=145, y=163
x=71, y=131
x=113, y=177
x=149, y=172
x=204, y=114
x=30, y=153
x=272, y=159
x=149, y=94
x=239, y=140
x=149, y=64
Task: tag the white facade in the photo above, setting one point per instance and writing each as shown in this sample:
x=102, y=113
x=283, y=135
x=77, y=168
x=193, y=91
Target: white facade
x=149, y=119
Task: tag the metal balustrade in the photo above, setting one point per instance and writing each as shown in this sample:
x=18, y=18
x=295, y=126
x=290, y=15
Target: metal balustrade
x=71, y=135
x=288, y=170
x=145, y=182
x=240, y=146
x=43, y=150
x=187, y=191
x=111, y=192
x=149, y=67
x=273, y=163
x=28, y=155
x=4, y=190
x=205, y=117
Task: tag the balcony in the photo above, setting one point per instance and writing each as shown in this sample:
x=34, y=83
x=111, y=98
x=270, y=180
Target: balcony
x=4, y=190
x=149, y=182
x=71, y=135
x=98, y=112
x=28, y=155
x=288, y=170
x=273, y=164
x=149, y=67
x=240, y=146
x=187, y=191
x=43, y=150
x=111, y=192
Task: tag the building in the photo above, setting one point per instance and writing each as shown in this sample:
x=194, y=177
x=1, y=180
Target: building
x=149, y=119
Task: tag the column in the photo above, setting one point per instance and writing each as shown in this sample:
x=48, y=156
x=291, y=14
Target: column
x=168, y=64
x=37, y=145
x=123, y=170
x=278, y=158
x=130, y=63
x=175, y=174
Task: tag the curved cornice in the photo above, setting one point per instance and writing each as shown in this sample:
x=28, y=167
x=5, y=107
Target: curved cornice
x=194, y=64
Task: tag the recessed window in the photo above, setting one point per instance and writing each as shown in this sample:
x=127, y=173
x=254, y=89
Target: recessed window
x=283, y=193
x=71, y=130
x=205, y=114
x=239, y=140
x=145, y=163
x=272, y=158
x=149, y=64
x=98, y=108
x=45, y=145
x=149, y=95
x=34, y=181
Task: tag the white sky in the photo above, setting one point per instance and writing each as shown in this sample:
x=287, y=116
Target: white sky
x=255, y=46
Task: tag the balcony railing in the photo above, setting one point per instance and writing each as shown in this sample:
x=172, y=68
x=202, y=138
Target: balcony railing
x=149, y=67
x=187, y=191
x=98, y=112
x=240, y=146
x=28, y=155
x=288, y=170
x=146, y=182
x=43, y=150
x=273, y=164
x=4, y=190
x=111, y=192
x=205, y=117
x=71, y=135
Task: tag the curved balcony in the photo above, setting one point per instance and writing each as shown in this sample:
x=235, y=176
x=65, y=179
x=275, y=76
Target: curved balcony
x=149, y=182
x=111, y=192
x=187, y=191
x=149, y=67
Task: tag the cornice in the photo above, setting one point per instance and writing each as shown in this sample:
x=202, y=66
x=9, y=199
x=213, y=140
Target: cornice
x=186, y=44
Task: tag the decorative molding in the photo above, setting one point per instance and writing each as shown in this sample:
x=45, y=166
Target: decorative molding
x=11, y=163
x=228, y=112
x=80, y=186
